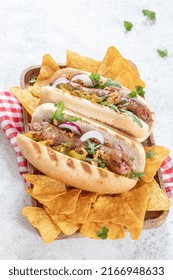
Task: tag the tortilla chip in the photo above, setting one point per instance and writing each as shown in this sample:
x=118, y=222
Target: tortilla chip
x=126, y=80
x=75, y=60
x=28, y=101
x=115, y=210
x=137, y=198
x=48, y=68
x=154, y=162
x=39, y=219
x=83, y=207
x=158, y=199
x=45, y=188
x=90, y=229
x=67, y=226
x=71, y=223
x=65, y=203
x=114, y=66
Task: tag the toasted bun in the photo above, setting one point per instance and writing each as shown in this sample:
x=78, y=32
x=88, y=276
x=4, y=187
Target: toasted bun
x=120, y=121
x=77, y=173
x=71, y=171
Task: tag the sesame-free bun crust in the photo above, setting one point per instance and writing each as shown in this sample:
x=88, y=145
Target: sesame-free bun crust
x=77, y=173
x=104, y=114
x=71, y=171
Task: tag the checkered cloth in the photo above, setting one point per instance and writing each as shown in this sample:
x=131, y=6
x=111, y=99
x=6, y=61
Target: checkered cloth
x=11, y=122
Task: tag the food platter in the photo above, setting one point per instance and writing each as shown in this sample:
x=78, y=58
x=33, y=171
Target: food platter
x=153, y=219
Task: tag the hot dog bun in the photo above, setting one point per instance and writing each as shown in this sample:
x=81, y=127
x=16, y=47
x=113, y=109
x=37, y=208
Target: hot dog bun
x=78, y=173
x=95, y=111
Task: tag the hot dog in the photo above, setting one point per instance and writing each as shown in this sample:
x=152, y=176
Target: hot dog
x=101, y=99
x=80, y=152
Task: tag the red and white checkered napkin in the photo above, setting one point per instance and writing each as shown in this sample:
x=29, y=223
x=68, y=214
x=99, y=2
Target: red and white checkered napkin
x=11, y=122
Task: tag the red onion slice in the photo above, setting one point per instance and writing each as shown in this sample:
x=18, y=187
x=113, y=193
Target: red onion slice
x=84, y=78
x=93, y=134
x=60, y=80
x=72, y=126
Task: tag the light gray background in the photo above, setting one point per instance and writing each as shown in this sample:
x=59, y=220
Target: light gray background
x=29, y=29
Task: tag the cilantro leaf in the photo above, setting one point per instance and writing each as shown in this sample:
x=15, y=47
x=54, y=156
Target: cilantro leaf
x=92, y=147
x=134, y=117
x=132, y=94
x=95, y=78
x=100, y=162
x=162, y=53
x=114, y=107
x=140, y=91
x=59, y=112
x=150, y=154
x=103, y=234
x=109, y=82
x=136, y=174
x=128, y=25
x=130, y=114
x=103, y=102
x=73, y=119
x=149, y=14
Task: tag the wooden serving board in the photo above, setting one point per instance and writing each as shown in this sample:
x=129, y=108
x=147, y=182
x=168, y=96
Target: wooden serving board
x=153, y=219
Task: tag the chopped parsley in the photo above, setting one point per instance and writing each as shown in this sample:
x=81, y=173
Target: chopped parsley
x=92, y=147
x=150, y=15
x=162, y=53
x=103, y=234
x=128, y=25
x=150, y=154
x=140, y=91
x=132, y=94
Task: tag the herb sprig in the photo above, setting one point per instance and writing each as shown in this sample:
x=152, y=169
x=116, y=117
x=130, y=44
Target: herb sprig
x=130, y=114
x=150, y=154
x=59, y=114
x=92, y=147
x=103, y=234
x=150, y=15
x=162, y=53
x=128, y=25
x=98, y=84
x=140, y=91
x=134, y=174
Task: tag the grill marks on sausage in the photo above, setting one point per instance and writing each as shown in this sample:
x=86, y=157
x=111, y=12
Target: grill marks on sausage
x=115, y=160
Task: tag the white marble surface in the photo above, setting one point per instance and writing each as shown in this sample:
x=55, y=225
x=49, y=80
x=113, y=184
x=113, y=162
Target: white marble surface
x=29, y=29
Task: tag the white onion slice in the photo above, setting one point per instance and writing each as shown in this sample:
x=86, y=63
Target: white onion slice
x=60, y=80
x=93, y=134
x=84, y=78
x=72, y=126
